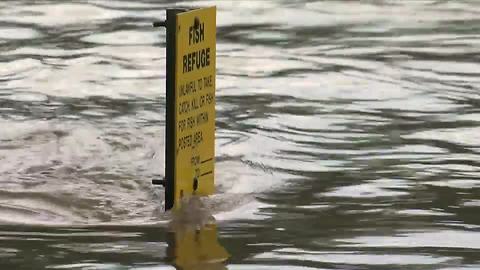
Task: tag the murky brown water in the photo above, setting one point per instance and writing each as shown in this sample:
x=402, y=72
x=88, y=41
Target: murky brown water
x=348, y=137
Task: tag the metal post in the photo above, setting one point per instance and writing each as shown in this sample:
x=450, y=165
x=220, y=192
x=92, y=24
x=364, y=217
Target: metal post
x=168, y=182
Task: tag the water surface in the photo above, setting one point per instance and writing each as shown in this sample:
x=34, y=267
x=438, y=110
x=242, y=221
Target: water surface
x=347, y=137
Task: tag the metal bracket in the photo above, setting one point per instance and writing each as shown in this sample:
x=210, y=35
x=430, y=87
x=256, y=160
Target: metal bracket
x=160, y=24
x=159, y=182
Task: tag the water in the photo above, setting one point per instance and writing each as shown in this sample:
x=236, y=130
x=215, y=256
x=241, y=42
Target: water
x=347, y=137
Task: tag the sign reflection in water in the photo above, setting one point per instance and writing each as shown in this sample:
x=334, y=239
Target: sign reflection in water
x=192, y=241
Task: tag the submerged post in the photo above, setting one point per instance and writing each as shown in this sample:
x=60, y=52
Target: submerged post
x=190, y=104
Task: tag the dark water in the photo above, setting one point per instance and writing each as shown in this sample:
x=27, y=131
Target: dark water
x=348, y=137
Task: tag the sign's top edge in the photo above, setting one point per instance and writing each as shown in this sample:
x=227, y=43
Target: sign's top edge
x=188, y=10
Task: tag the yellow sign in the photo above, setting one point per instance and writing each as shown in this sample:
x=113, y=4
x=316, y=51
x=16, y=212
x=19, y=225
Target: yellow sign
x=195, y=103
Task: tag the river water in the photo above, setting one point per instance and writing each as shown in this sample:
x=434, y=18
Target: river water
x=348, y=137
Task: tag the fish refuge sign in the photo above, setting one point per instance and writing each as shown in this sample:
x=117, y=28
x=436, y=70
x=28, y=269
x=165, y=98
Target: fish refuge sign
x=190, y=120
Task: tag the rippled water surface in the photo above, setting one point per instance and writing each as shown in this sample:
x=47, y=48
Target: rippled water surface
x=348, y=137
